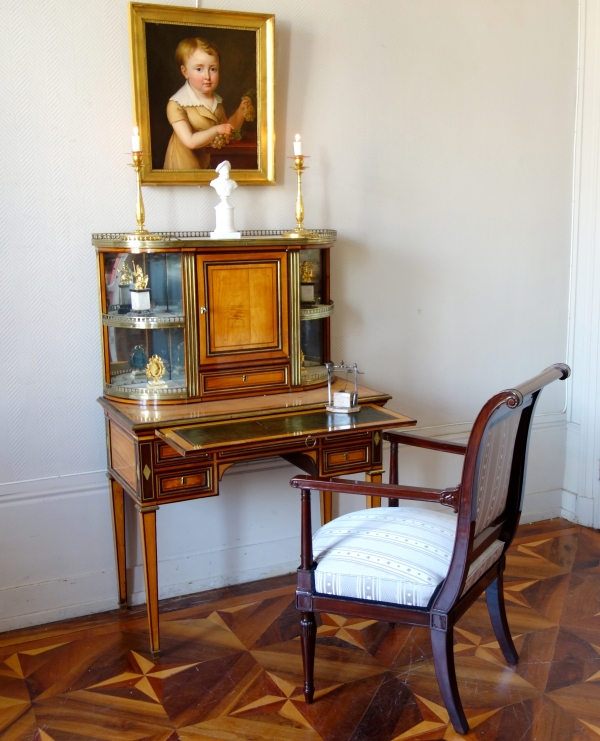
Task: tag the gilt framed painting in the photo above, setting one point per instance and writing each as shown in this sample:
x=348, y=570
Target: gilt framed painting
x=203, y=93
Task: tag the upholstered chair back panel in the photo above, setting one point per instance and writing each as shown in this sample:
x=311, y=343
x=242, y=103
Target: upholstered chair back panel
x=494, y=463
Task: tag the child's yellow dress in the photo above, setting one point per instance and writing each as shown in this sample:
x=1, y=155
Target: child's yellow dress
x=186, y=106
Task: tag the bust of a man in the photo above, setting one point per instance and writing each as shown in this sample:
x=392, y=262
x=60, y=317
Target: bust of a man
x=224, y=185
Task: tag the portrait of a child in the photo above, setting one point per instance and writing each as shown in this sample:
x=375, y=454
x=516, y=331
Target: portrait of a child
x=203, y=93
x=196, y=111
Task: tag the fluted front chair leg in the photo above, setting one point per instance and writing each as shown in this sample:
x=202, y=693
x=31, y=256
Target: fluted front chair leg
x=308, y=637
x=494, y=596
x=443, y=659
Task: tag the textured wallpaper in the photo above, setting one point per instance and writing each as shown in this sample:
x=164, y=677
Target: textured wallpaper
x=440, y=137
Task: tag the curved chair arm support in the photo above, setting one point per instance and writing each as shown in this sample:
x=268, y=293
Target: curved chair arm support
x=425, y=442
x=447, y=497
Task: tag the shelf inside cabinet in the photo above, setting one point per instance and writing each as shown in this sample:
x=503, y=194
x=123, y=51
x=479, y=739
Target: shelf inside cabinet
x=319, y=311
x=143, y=392
x=153, y=321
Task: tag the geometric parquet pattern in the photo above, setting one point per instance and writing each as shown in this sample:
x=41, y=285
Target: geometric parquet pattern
x=231, y=667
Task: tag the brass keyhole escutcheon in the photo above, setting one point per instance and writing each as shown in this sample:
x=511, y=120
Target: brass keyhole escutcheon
x=244, y=378
x=183, y=480
x=310, y=441
x=345, y=456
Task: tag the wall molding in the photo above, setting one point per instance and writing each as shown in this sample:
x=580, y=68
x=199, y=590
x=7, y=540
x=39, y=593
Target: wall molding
x=91, y=483
x=584, y=303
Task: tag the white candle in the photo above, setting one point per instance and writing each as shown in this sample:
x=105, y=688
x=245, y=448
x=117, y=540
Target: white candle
x=135, y=140
x=297, y=146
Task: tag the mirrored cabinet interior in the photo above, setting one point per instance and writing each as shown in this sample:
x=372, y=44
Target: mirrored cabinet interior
x=197, y=318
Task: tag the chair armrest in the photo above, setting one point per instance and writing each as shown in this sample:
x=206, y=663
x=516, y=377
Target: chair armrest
x=425, y=442
x=447, y=497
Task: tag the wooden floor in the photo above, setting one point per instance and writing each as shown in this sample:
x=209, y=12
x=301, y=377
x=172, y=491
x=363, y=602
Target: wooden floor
x=231, y=666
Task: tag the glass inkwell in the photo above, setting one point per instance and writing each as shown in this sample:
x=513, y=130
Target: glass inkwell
x=342, y=402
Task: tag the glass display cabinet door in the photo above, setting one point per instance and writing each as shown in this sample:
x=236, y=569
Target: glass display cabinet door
x=314, y=311
x=144, y=326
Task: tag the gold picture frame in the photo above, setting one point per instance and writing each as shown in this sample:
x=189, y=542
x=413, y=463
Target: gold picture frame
x=246, y=48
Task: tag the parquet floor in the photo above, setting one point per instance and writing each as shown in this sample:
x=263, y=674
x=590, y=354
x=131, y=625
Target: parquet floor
x=231, y=666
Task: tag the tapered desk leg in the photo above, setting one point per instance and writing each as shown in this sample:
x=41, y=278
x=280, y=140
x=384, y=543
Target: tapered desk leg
x=375, y=477
x=147, y=518
x=326, y=507
x=117, y=503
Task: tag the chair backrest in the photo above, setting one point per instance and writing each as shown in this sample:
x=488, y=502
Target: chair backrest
x=494, y=465
x=493, y=480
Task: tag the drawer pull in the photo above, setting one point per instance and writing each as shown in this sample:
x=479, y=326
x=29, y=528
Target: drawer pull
x=310, y=441
x=244, y=378
x=345, y=456
x=183, y=480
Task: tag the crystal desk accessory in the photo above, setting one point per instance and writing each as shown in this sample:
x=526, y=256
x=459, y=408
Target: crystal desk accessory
x=342, y=402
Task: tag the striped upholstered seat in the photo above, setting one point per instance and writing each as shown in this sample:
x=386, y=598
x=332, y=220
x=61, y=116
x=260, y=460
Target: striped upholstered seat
x=388, y=554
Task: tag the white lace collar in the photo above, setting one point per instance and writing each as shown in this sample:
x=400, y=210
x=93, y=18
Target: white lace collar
x=185, y=96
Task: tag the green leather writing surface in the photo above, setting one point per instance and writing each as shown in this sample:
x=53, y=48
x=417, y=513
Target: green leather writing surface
x=284, y=425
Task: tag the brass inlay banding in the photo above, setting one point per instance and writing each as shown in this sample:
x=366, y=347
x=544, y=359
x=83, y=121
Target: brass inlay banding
x=294, y=310
x=190, y=303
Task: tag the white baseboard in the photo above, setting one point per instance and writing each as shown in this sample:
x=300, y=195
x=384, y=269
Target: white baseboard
x=542, y=505
x=88, y=594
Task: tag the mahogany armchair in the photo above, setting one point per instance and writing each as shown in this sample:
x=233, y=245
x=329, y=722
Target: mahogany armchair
x=418, y=566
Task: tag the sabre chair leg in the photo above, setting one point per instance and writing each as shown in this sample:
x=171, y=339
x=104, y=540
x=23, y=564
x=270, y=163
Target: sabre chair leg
x=494, y=596
x=308, y=637
x=443, y=659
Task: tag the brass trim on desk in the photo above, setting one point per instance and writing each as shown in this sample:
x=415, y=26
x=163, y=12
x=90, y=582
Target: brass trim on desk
x=145, y=393
x=154, y=417
x=294, y=312
x=190, y=302
x=143, y=322
x=253, y=237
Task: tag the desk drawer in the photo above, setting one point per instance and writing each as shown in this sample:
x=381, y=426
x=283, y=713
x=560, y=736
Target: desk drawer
x=194, y=482
x=347, y=439
x=346, y=459
x=243, y=380
x=165, y=455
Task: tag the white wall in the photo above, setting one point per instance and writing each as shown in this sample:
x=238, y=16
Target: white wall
x=441, y=138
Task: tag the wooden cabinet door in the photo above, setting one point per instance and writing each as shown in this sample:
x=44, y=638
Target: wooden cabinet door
x=243, y=308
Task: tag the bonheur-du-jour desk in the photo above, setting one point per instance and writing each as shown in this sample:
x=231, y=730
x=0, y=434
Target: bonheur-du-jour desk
x=173, y=453
x=215, y=351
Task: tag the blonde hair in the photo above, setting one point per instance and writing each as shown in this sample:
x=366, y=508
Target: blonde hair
x=187, y=47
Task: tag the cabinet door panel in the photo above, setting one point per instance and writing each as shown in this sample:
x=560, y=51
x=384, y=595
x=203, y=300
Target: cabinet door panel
x=246, y=308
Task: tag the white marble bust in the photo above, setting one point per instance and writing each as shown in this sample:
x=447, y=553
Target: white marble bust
x=224, y=186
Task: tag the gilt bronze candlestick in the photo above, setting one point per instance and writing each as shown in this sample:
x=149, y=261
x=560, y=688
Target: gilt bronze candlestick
x=140, y=234
x=299, y=232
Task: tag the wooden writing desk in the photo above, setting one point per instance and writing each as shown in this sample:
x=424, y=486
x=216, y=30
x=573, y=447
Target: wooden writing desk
x=173, y=453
